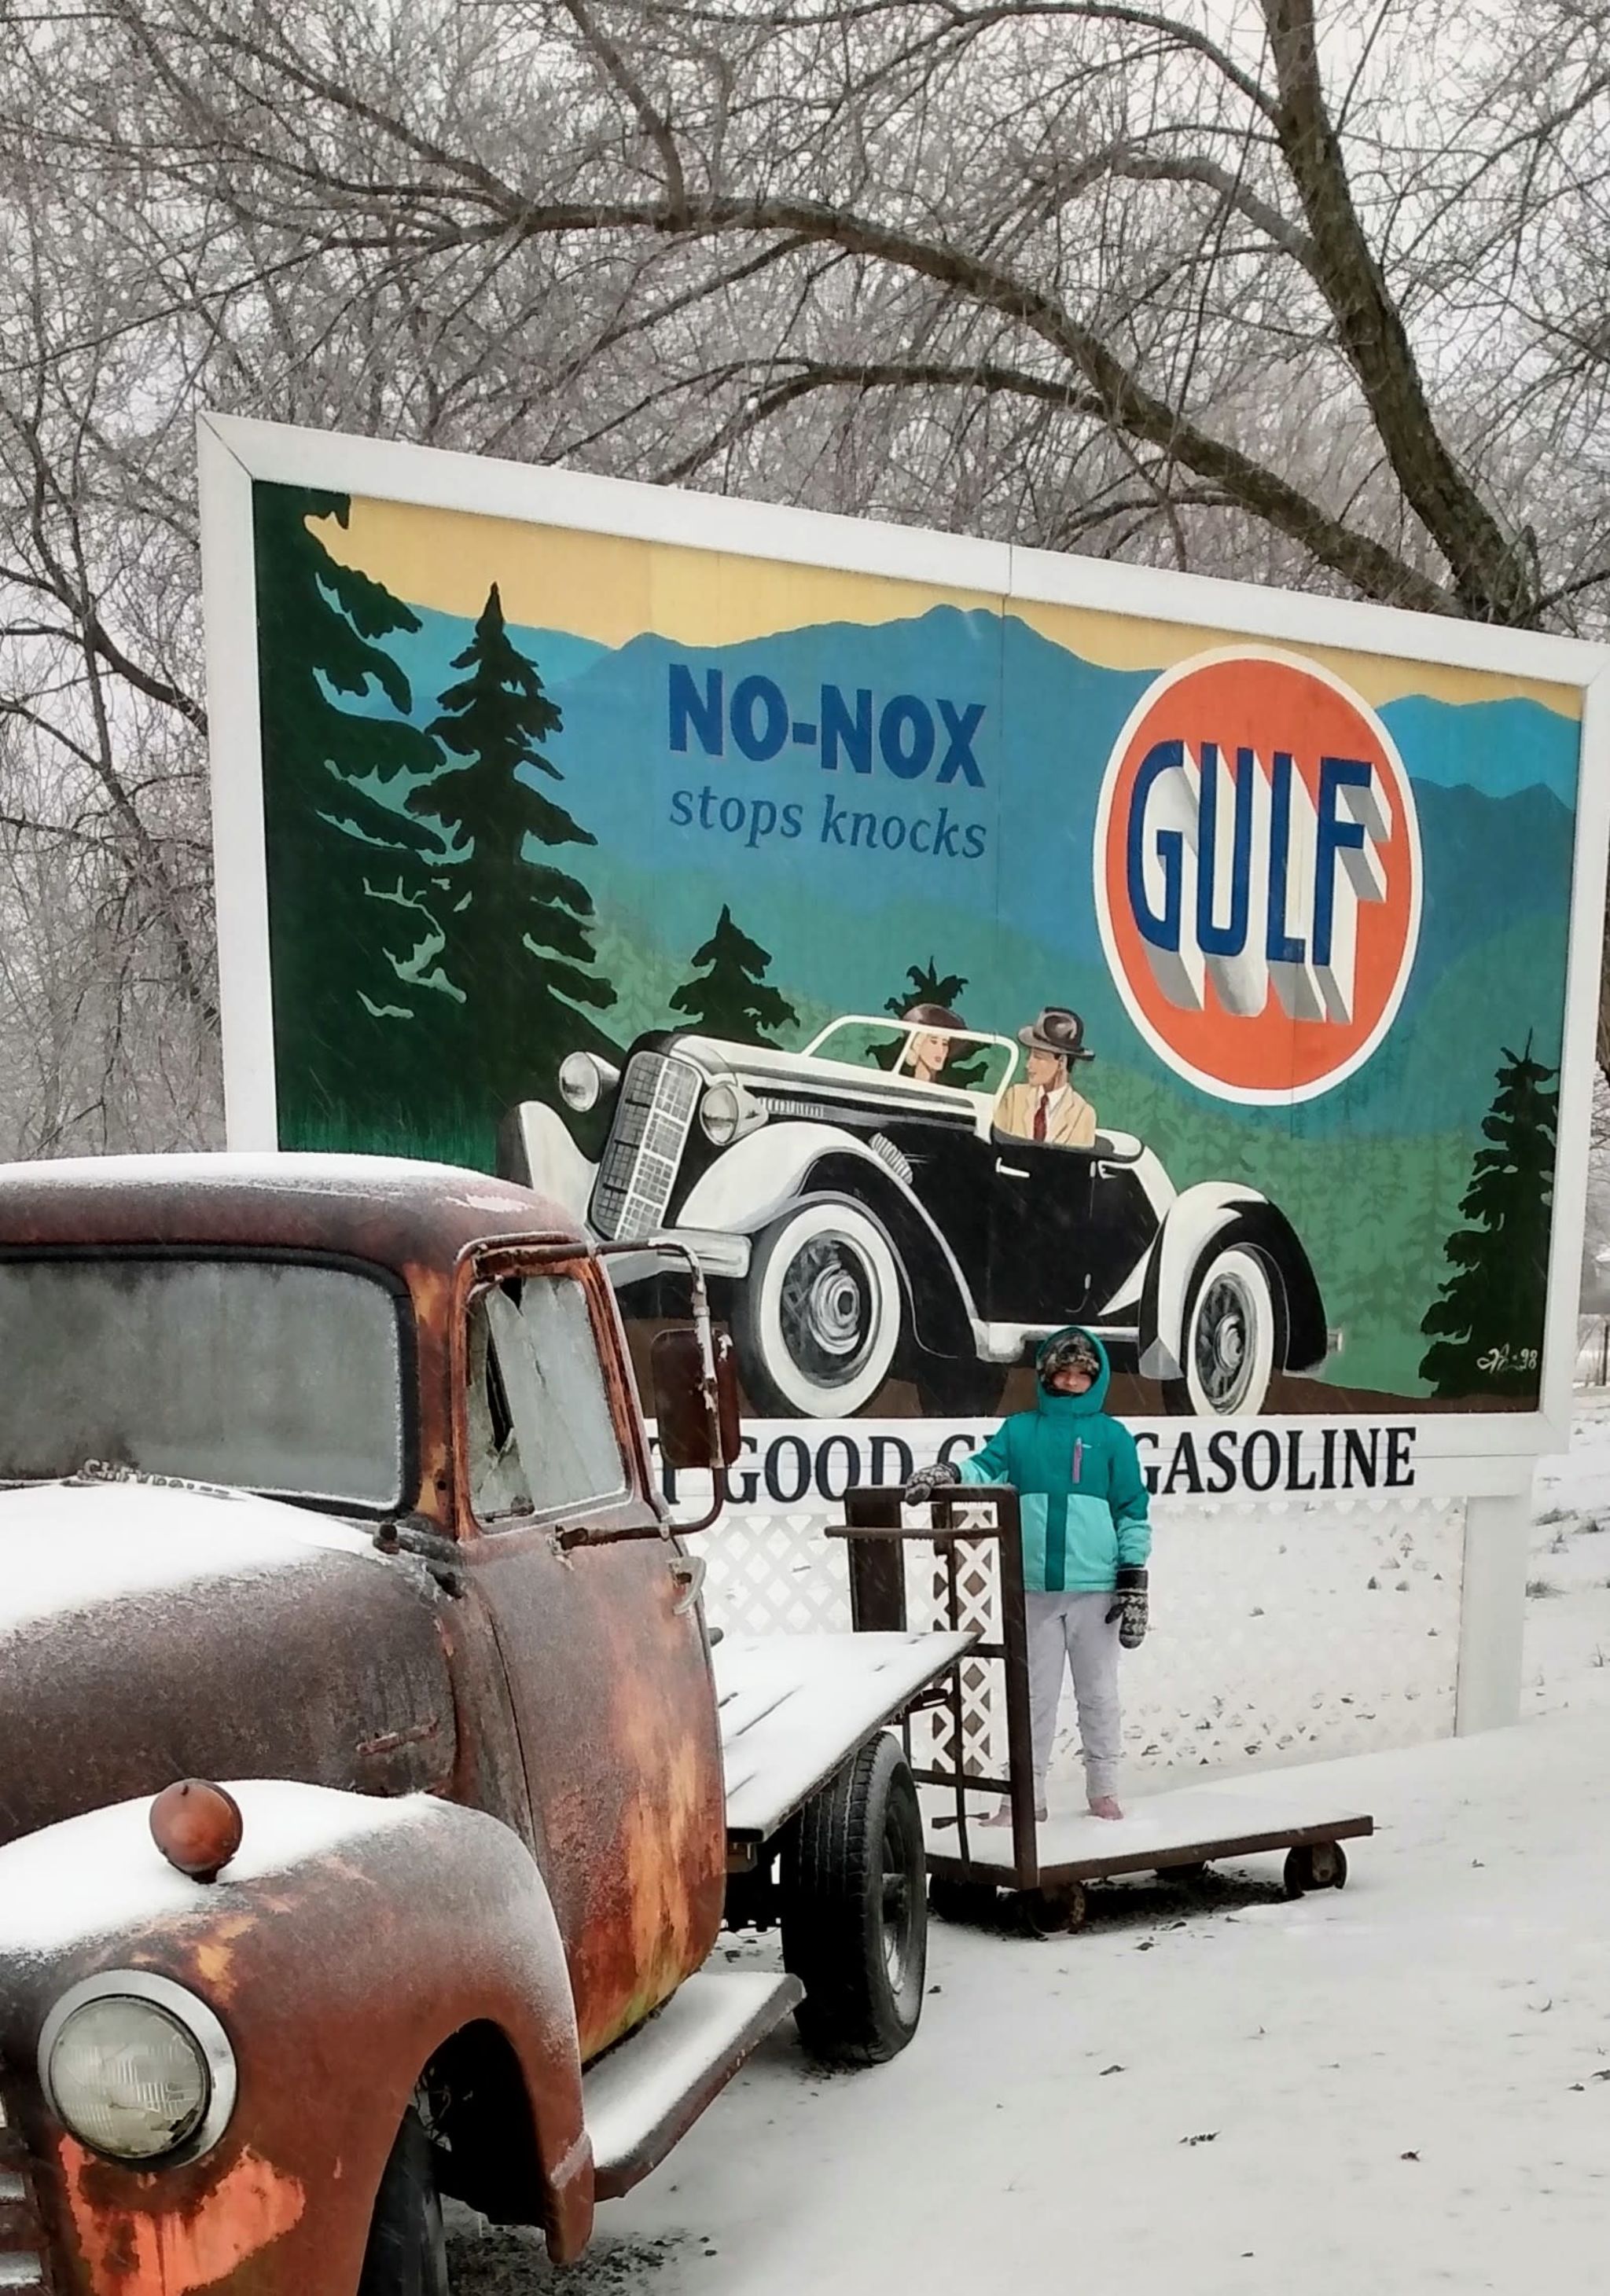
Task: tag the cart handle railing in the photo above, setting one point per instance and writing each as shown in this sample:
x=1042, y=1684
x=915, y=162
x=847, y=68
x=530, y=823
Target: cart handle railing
x=875, y=1531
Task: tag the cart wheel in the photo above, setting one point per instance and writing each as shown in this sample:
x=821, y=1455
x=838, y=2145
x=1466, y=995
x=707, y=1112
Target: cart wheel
x=1316, y=1866
x=1190, y=1874
x=854, y=1908
x=1052, y=1912
x=972, y=1903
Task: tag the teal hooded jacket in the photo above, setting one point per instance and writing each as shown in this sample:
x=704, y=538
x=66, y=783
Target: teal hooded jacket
x=1077, y=1475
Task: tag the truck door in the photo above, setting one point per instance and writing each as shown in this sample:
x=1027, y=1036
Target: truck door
x=606, y=1658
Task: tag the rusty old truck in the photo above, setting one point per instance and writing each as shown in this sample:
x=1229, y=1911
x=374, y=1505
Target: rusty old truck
x=373, y=1790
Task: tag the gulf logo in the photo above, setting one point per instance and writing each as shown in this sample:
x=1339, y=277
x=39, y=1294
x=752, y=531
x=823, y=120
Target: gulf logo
x=1258, y=875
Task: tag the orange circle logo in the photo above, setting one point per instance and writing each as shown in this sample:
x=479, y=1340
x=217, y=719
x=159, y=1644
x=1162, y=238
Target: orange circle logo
x=1258, y=875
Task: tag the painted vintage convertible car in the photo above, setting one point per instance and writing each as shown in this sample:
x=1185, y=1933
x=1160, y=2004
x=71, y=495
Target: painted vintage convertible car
x=867, y=1224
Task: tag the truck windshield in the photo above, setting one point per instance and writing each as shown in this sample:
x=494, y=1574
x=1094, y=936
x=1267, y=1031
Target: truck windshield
x=269, y=1376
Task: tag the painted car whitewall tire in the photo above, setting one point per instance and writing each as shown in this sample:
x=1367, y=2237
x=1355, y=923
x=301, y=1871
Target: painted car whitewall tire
x=818, y=1322
x=1227, y=1349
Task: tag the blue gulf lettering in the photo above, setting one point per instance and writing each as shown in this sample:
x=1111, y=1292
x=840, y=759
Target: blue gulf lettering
x=1280, y=947
x=1334, y=837
x=1214, y=940
x=1162, y=929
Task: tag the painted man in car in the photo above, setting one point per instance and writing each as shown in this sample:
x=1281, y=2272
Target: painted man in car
x=1046, y=1108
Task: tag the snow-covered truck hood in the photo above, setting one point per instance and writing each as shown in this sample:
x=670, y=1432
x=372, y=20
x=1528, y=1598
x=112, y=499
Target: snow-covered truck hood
x=150, y=1633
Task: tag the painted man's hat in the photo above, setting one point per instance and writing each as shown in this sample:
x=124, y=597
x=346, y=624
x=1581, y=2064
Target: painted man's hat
x=1056, y=1031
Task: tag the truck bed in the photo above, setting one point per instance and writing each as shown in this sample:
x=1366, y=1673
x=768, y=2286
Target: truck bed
x=793, y=1707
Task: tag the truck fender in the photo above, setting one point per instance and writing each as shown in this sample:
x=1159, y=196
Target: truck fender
x=353, y=1946
x=1189, y=1225
x=534, y=1149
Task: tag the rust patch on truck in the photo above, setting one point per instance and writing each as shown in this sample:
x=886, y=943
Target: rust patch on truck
x=213, y=1957
x=157, y=2251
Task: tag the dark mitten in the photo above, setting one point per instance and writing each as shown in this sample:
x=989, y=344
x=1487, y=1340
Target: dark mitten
x=929, y=1479
x=1130, y=1606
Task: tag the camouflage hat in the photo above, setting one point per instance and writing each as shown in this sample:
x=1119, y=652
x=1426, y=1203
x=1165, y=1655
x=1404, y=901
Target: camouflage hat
x=1070, y=1350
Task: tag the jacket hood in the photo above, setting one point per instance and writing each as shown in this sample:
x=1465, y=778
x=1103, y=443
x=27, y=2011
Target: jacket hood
x=1073, y=1407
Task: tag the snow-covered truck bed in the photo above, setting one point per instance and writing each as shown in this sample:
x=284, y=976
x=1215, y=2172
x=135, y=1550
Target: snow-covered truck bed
x=794, y=1708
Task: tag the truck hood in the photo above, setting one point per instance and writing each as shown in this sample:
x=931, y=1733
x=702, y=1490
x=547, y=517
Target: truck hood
x=155, y=1632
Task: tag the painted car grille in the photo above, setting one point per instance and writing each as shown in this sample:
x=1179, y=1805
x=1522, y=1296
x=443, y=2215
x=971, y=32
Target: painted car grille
x=639, y=1166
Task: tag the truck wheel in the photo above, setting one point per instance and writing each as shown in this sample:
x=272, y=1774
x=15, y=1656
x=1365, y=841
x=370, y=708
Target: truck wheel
x=855, y=1909
x=817, y=1322
x=1228, y=1345
x=407, y=2251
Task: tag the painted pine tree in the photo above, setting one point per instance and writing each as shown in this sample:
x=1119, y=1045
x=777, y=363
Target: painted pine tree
x=520, y=930
x=349, y=890
x=1486, y=1324
x=733, y=999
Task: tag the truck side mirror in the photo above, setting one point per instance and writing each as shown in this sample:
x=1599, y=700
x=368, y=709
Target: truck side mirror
x=698, y=1430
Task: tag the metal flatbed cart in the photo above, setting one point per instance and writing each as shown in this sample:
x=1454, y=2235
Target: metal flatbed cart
x=1046, y=1866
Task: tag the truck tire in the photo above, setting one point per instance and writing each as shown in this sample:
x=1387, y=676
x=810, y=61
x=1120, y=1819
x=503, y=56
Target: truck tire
x=855, y=1909
x=407, y=2251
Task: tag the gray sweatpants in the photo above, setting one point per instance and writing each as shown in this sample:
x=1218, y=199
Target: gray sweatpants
x=1072, y=1628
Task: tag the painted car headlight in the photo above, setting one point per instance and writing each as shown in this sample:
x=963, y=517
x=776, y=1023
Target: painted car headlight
x=136, y=2068
x=721, y=1112
x=583, y=1080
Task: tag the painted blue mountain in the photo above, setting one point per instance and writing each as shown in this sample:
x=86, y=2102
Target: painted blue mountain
x=863, y=791
x=1498, y=748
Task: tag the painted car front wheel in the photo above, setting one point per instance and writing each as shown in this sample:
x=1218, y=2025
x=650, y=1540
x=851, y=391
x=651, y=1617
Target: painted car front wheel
x=817, y=1321
x=1228, y=1346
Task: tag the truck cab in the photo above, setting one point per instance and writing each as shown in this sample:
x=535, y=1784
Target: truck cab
x=328, y=1537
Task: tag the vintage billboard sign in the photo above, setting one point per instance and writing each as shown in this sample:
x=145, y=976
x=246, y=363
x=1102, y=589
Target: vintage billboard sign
x=949, y=941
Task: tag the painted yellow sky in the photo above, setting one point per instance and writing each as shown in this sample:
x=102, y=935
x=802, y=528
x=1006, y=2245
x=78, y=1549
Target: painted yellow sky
x=606, y=588
x=610, y=589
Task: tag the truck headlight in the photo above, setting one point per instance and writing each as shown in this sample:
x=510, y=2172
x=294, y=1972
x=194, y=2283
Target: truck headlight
x=721, y=1112
x=136, y=2068
x=584, y=1079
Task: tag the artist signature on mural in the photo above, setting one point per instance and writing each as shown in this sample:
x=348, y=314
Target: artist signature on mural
x=1508, y=1358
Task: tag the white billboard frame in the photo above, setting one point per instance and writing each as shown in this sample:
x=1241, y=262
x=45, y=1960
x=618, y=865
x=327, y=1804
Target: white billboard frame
x=1488, y=1455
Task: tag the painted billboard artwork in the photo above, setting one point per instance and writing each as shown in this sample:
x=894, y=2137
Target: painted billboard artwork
x=942, y=968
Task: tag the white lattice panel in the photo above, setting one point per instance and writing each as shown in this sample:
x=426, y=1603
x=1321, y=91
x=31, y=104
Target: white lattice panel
x=1283, y=1631
x=772, y=1574
x=1291, y=1630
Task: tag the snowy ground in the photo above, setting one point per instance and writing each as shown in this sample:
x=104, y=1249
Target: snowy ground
x=1401, y=2087
x=1568, y=1615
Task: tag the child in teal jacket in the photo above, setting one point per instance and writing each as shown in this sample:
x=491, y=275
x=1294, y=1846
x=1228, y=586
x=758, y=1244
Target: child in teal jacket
x=1086, y=1539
